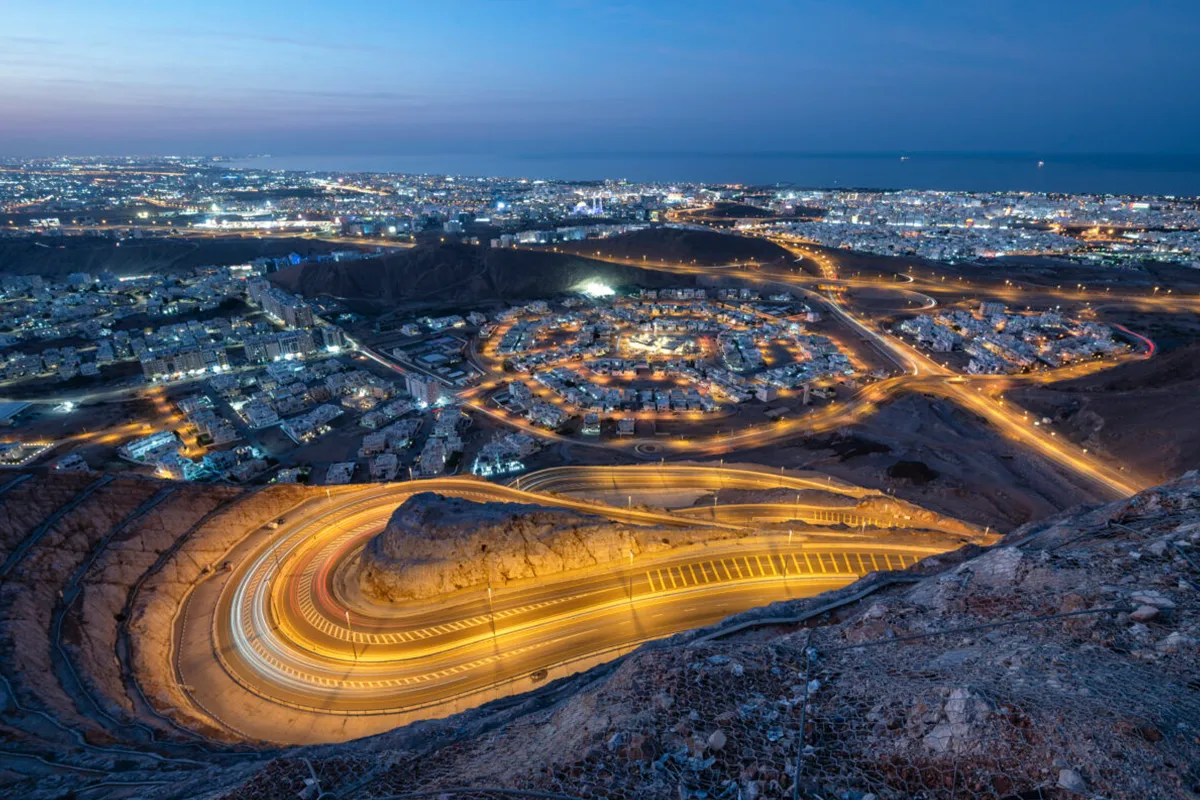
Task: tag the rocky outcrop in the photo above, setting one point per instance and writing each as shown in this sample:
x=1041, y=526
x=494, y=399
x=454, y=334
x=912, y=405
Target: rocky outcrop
x=434, y=545
x=875, y=509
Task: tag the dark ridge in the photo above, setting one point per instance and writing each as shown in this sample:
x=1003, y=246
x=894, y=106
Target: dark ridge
x=55, y=257
x=674, y=245
x=454, y=274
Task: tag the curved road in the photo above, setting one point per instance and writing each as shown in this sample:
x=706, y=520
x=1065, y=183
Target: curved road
x=289, y=638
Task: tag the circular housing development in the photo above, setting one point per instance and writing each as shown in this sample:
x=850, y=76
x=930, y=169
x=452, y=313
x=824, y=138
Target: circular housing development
x=671, y=362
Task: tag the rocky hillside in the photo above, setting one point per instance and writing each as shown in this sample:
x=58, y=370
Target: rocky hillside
x=56, y=257
x=434, y=545
x=459, y=275
x=1060, y=663
x=676, y=245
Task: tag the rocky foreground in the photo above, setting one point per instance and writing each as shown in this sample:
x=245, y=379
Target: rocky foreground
x=1062, y=663
x=434, y=545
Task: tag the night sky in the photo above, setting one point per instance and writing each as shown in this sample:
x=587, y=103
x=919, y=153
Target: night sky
x=362, y=77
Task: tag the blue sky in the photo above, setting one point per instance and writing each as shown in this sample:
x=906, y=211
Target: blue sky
x=367, y=77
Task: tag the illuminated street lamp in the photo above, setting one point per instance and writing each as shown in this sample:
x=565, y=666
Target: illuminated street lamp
x=353, y=644
x=491, y=608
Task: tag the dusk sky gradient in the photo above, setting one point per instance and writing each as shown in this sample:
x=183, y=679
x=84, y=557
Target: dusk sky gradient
x=373, y=77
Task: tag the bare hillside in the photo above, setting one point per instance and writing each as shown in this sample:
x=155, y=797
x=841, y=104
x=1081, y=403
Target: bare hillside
x=460, y=274
x=675, y=245
x=56, y=257
x=1142, y=413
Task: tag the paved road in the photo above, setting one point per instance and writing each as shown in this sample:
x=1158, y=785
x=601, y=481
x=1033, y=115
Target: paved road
x=679, y=476
x=292, y=644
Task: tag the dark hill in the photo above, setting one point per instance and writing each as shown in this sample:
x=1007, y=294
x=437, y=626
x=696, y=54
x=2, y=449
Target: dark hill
x=461, y=275
x=1143, y=413
x=739, y=211
x=58, y=256
x=675, y=245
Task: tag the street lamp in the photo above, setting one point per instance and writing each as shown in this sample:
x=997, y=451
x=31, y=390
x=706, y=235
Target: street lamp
x=491, y=609
x=353, y=644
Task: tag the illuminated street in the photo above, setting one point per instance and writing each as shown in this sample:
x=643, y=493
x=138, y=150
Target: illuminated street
x=286, y=633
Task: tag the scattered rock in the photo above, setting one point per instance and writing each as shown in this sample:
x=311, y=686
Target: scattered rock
x=1152, y=597
x=1144, y=613
x=1072, y=781
x=1176, y=643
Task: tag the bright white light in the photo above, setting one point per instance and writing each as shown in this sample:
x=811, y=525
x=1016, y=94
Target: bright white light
x=596, y=289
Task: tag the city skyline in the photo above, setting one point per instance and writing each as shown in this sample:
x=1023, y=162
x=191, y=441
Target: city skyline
x=567, y=78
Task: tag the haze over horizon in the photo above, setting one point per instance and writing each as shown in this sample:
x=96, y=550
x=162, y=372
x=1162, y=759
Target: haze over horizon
x=371, y=78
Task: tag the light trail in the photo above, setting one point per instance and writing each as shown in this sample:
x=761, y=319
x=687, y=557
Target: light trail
x=284, y=632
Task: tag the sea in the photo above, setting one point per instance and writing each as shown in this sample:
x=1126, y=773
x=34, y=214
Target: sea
x=1172, y=175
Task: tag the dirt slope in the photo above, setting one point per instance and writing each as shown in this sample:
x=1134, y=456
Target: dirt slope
x=1142, y=414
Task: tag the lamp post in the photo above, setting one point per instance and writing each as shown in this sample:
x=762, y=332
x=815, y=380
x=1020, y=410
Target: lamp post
x=491, y=609
x=630, y=551
x=353, y=644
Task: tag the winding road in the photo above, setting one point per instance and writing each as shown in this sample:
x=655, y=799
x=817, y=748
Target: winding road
x=317, y=662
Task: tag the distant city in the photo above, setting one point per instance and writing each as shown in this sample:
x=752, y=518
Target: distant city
x=258, y=374
x=138, y=197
